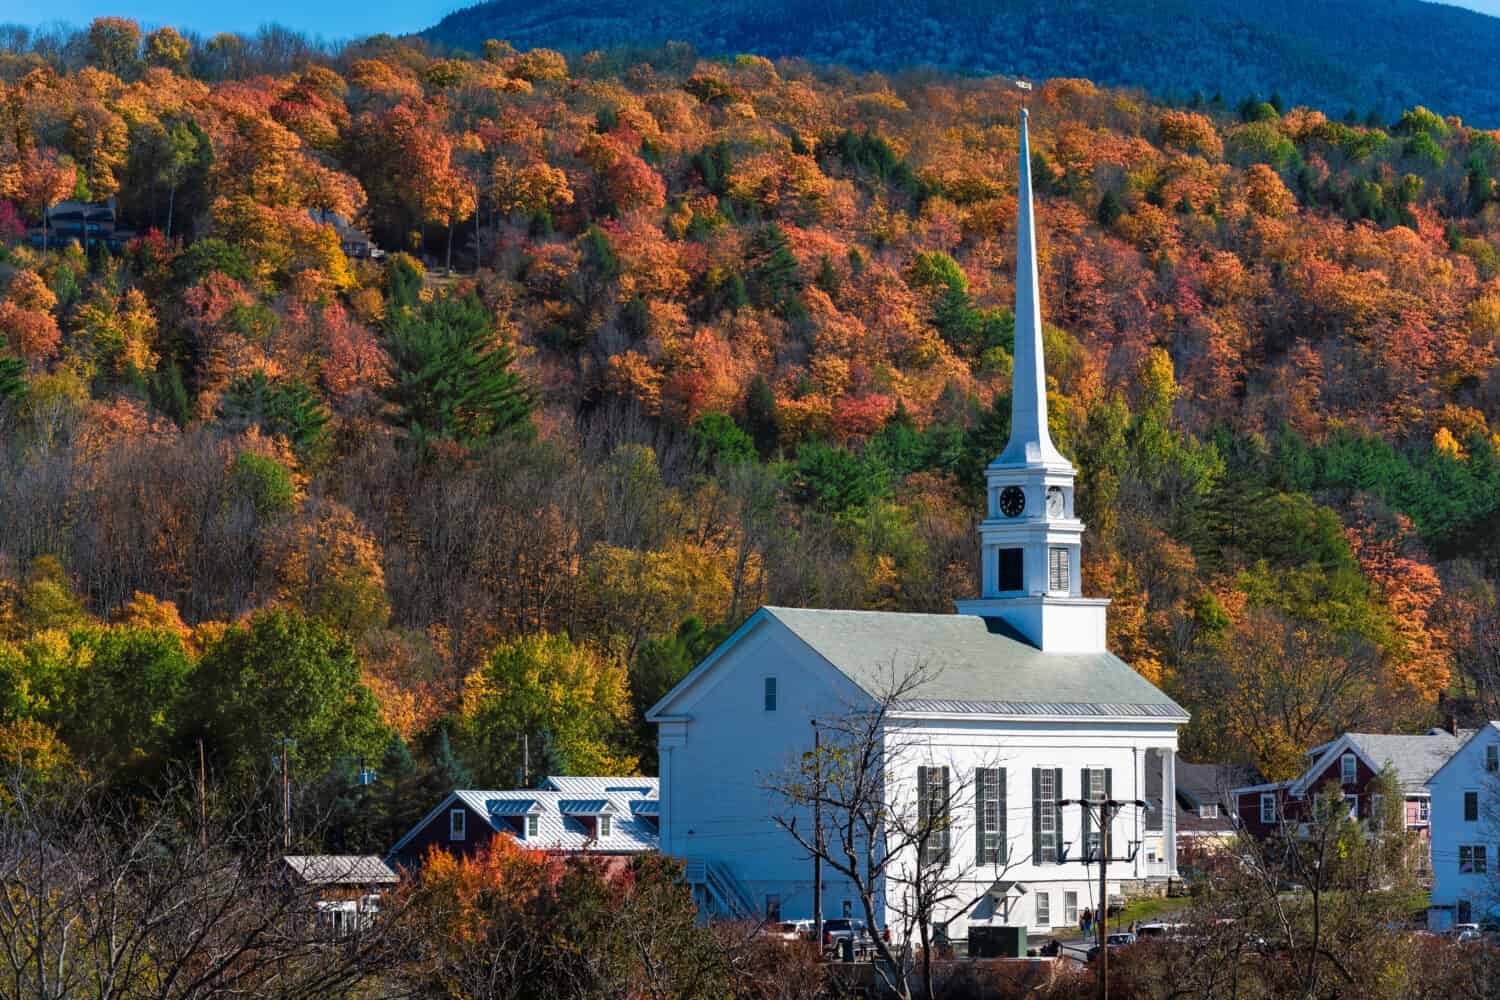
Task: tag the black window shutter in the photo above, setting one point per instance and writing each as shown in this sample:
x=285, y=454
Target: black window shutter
x=946, y=822
x=980, y=774
x=1002, y=848
x=1088, y=816
x=1036, y=815
x=1057, y=797
x=923, y=848
x=1109, y=793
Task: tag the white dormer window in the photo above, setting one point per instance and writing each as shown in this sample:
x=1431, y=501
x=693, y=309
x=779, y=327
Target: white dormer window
x=770, y=694
x=457, y=824
x=605, y=822
x=533, y=826
x=1348, y=772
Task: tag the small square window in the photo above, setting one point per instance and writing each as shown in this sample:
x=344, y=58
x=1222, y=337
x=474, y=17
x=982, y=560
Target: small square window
x=1348, y=769
x=1471, y=807
x=457, y=824
x=1208, y=810
x=604, y=826
x=533, y=826
x=770, y=693
x=1009, y=570
x=1059, y=570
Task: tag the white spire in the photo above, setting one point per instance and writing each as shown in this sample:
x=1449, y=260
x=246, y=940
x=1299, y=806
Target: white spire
x=1030, y=443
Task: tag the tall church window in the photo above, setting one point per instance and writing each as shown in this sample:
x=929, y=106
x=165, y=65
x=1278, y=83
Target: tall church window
x=1059, y=569
x=1009, y=576
x=1046, y=816
x=989, y=809
x=932, y=814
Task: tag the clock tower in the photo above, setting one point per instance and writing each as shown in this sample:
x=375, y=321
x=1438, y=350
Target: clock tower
x=1030, y=540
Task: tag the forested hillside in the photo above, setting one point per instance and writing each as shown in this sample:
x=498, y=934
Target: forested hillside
x=1341, y=56
x=719, y=333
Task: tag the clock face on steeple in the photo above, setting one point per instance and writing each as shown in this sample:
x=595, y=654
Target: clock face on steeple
x=1012, y=501
x=1055, y=505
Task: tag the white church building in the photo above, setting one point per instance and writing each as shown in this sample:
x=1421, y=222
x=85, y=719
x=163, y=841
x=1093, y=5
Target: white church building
x=1020, y=703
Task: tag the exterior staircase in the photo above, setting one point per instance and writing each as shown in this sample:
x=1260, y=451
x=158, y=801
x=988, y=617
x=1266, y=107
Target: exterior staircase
x=720, y=895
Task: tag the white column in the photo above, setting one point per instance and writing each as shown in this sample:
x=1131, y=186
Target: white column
x=1138, y=775
x=1169, y=808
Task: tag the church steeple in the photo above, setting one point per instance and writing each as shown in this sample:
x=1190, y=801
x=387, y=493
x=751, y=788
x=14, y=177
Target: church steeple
x=1030, y=442
x=1030, y=541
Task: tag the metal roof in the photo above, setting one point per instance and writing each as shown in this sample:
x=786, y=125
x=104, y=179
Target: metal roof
x=595, y=785
x=975, y=665
x=1414, y=758
x=561, y=817
x=341, y=869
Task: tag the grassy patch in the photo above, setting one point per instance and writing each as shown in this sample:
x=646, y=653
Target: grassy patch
x=1149, y=909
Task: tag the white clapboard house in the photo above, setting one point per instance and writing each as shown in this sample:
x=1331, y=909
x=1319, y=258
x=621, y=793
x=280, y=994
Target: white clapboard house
x=1020, y=703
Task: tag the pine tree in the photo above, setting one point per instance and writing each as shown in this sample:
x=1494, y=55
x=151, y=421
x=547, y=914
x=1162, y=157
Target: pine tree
x=762, y=418
x=284, y=407
x=396, y=804
x=444, y=772
x=12, y=378
x=774, y=282
x=450, y=376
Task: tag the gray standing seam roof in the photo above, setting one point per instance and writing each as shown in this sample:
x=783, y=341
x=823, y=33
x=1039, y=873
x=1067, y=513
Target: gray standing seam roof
x=341, y=869
x=1414, y=758
x=975, y=664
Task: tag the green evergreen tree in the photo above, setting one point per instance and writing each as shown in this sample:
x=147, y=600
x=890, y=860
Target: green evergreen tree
x=450, y=377
x=762, y=417
x=444, y=771
x=774, y=281
x=284, y=407
x=658, y=666
x=12, y=378
x=403, y=282
x=397, y=803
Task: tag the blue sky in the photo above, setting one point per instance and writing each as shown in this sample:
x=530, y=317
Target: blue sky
x=330, y=18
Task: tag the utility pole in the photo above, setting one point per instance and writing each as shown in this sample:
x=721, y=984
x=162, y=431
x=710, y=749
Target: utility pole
x=1108, y=809
x=202, y=796
x=286, y=791
x=286, y=800
x=817, y=839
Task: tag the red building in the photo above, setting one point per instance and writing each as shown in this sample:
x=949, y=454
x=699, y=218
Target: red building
x=568, y=815
x=1351, y=764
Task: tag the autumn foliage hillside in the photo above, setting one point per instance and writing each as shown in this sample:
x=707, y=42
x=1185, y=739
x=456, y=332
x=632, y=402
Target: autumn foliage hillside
x=661, y=339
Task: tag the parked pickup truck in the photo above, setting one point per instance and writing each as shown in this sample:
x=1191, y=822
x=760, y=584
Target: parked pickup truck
x=840, y=929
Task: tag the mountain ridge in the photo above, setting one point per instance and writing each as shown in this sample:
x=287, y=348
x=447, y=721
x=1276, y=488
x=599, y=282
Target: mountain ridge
x=1304, y=52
